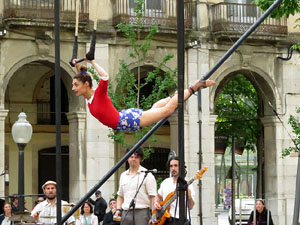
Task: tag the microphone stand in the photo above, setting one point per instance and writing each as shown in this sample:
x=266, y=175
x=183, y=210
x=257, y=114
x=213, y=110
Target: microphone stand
x=132, y=203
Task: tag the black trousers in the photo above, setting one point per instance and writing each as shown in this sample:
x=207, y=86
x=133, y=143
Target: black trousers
x=173, y=221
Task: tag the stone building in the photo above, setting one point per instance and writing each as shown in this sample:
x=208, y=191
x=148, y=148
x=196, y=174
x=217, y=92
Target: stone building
x=27, y=83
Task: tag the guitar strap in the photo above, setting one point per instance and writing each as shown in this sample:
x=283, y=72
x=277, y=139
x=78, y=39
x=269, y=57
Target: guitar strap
x=177, y=196
x=188, y=221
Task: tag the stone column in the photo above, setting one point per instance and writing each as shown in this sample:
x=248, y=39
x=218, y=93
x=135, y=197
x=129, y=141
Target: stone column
x=3, y=114
x=279, y=174
x=208, y=180
x=77, y=155
x=100, y=157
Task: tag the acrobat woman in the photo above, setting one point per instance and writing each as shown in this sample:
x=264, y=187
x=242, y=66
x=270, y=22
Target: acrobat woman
x=101, y=107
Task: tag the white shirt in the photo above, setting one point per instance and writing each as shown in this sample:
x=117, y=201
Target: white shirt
x=47, y=212
x=6, y=221
x=168, y=186
x=129, y=185
x=93, y=220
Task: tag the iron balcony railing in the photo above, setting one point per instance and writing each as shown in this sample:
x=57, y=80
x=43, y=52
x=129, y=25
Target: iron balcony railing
x=158, y=12
x=43, y=10
x=237, y=18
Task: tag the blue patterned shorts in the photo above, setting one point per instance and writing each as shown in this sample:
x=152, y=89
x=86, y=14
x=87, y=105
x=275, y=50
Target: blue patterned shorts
x=129, y=119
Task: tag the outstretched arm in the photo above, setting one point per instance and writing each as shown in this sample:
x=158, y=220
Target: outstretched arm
x=99, y=69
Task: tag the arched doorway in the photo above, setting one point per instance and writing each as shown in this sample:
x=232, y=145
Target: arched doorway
x=46, y=169
x=25, y=85
x=243, y=124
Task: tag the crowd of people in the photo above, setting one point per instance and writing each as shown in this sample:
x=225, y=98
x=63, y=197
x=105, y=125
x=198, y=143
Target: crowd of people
x=138, y=199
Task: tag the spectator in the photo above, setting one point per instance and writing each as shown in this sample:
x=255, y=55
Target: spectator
x=45, y=212
x=109, y=217
x=100, y=205
x=14, y=203
x=38, y=200
x=261, y=214
x=87, y=216
x=5, y=217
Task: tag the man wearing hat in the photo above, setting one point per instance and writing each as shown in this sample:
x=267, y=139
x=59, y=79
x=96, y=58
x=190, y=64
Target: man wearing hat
x=45, y=212
x=100, y=206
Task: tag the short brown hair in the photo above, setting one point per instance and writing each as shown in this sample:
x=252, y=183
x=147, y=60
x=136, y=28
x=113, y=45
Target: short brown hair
x=139, y=152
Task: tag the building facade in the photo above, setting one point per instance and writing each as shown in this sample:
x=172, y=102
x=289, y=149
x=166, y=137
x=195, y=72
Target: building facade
x=27, y=83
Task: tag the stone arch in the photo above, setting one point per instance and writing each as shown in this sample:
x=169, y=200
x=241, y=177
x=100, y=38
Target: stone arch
x=268, y=93
x=75, y=103
x=262, y=82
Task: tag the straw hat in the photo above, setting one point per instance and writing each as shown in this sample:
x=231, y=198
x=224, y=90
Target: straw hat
x=48, y=182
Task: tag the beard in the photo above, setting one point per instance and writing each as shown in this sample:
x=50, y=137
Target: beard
x=174, y=174
x=51, y=197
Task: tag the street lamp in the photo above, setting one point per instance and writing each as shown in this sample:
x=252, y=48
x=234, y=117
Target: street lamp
x=21, y=132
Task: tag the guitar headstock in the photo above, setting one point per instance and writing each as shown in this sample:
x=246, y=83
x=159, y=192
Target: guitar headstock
x=200, y=173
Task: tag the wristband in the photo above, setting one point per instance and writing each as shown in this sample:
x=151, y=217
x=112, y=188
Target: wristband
x=120, y=210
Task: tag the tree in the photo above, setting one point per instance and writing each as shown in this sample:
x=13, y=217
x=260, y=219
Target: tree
x=295, y=124
x=237, y=110
x=286, y=8
x=126, y=91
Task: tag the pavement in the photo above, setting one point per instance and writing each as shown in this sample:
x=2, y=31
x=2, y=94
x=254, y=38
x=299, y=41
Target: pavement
x=222, y=216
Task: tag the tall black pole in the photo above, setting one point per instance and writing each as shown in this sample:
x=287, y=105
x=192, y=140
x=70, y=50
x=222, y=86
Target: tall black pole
x=180, y=64
x=57, y=111
x=297, y=196
x=21, y=178
x=233, y=180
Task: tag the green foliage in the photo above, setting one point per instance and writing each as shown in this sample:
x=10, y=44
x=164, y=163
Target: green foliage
x=237, y=110
x=125, y=89
x=159, y=181
x=286, y=8
x=293, y=121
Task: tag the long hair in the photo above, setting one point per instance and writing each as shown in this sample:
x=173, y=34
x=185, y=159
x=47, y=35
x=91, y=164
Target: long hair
x=83, y=75
x=89, y=204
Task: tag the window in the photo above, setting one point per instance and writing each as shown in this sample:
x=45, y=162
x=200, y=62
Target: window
x=152, y=8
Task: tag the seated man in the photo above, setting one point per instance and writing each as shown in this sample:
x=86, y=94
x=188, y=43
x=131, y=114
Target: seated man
x=45, y=212
x=109, y=217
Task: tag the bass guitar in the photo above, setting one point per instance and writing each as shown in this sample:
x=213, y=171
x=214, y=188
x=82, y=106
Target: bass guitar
x=159, y=217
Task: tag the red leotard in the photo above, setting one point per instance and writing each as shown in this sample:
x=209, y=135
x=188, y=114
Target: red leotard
x=102, y=108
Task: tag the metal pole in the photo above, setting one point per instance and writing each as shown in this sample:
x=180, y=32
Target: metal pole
x=200, y=181
x=241, y=39
x=180, y=64
x=233, y=181
x=58, y=112
x=21, y=178
x=297, y=196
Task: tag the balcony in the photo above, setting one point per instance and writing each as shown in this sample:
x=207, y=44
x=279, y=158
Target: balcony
x=230, y=19
x=158, y=12
x=39, y=12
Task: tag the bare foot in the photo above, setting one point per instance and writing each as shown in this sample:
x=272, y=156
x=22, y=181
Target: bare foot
x=202, y=84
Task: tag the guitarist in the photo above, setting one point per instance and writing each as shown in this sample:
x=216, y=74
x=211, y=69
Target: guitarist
x=169, y=185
